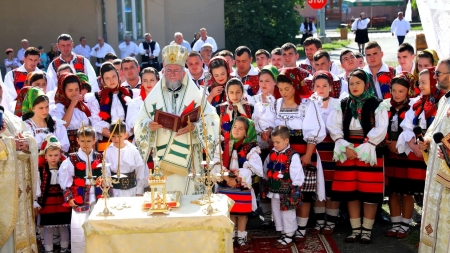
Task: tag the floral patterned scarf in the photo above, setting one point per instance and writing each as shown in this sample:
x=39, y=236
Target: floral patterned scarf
x=222, y=97
x=61, y=97
x=249, y=139
x=411, y=80
x=356, y=103
x=30, y=97
x=429, y=103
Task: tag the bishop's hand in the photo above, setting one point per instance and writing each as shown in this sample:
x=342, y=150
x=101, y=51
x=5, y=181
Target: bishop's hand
x=154, y=126
x=189, y=128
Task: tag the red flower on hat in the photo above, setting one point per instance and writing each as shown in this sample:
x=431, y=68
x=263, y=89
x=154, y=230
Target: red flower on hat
x=384, y=79
x=103, y=115
x=81, y=166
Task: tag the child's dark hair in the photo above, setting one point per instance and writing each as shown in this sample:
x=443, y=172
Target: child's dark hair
x=64, y=67
x=87, y=131
x=234, y=81
x=281, y=131
x=243, y=120
x=119, y=128
x=49, y=120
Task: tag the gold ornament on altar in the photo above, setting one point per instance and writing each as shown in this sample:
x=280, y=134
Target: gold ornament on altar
x=157, y=181
x=174, y=54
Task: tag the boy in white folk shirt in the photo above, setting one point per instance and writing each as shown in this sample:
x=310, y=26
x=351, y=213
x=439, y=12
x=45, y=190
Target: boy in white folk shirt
x=131, y=164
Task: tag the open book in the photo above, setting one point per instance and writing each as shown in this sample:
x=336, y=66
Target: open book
x=174, y=122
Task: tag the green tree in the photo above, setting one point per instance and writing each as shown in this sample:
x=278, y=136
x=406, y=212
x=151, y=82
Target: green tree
x=261, y=23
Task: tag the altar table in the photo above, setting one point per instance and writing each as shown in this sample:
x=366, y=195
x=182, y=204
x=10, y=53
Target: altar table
x=185, y=229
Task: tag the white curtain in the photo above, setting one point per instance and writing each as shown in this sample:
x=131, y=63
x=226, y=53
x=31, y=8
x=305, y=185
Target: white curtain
x=435, y=17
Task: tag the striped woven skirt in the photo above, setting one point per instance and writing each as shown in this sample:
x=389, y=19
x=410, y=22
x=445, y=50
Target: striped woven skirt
x=299, y=145
x=53, y=213
x=325, y=149
x=405, y=174
x=357, y=180
x=242, y=199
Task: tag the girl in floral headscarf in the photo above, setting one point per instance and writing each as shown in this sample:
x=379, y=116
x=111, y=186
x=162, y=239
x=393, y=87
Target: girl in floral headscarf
x=405, y=170
x=307, y=129
x=109, y=104
x=240, y=157
x=324, y=86
x=220, y=74
x=70, y=107
x=35, y=114
x=358, y=126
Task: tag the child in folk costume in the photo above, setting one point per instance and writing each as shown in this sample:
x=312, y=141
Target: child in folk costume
x=358, y=125
x=240, y=155
x=267, y=82
x=79, y=192
x=35, y=114
x=406, y=170
x=70, y=107
x=284, y=175
x=108, y=104
x=131, y=164
x=220, y=74
x=50, y=197
x=302, y=117
x=235, y=106
x=325, y=90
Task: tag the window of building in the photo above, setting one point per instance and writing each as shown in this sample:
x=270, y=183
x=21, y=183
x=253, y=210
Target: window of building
x=130, y=18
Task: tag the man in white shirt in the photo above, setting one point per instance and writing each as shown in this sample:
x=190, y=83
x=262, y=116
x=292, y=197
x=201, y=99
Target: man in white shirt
x=149, y=50
x=178, y=38
x=348, y=63
x=78, y=63
x=83, y=49
x=194, y=63
x=382, y=73
x=130, y=69
x=203, y=40
x=400, y=27
x=311, y=45
x=206, y=52
x=15, y=79
x=21, y=52
x=128, y=48
x=246, y=72
x=405, y=58
x=100, y=50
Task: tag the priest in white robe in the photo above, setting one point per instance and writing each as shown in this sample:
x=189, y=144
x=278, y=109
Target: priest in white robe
x=435, y=226
x=18, y=180
x=173, y=93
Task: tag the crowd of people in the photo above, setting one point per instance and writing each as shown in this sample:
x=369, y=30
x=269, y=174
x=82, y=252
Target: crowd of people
x=316, y=134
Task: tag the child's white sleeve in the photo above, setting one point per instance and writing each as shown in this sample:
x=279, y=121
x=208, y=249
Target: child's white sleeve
x=253, y=166
x=65, y=174
x=296, y=171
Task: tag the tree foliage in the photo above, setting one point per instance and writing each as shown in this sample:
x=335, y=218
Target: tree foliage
x=261, y=23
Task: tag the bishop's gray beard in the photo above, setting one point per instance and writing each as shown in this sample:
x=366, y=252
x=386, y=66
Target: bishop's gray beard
x=173, y=85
